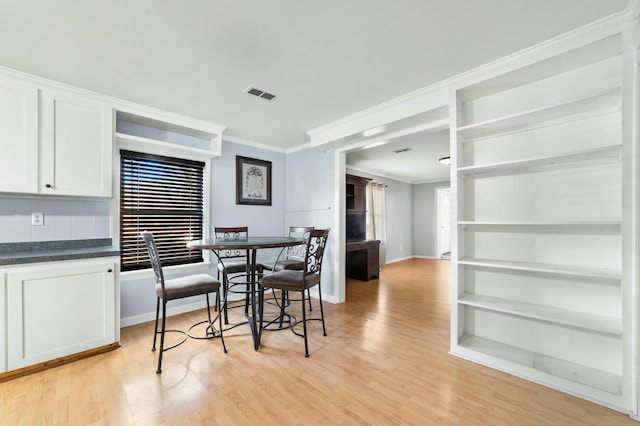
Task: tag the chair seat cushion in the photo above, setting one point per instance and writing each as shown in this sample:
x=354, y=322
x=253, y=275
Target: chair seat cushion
x=289, y=279
x=232, y=266
x=191, y=285
x=295, y=264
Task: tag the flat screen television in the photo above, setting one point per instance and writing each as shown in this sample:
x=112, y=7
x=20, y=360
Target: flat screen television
x=356, y=227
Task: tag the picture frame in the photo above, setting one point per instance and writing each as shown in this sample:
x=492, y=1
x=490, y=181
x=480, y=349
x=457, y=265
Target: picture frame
x=253, y=181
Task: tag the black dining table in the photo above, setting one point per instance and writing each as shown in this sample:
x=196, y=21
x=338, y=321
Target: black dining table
x=251, y=245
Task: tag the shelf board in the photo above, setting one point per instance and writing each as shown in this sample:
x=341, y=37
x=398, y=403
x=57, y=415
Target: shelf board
x=599, y=103
x=615, y=276
x=597, y=323
x=587, y=376
x=604, y=155
x=600, y=50
x=126, y=140
x=556, y=227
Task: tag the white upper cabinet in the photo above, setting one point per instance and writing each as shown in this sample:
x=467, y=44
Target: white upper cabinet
x=54, y=142
x=77, y=144
x=18, y=136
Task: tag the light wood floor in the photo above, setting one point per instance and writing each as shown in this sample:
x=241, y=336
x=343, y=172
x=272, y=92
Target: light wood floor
x=384, y=361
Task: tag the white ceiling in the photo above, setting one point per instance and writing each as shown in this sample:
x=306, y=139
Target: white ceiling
x=322, y=59
x=418, y=165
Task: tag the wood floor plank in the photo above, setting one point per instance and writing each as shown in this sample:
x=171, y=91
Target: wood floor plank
x=384, y=361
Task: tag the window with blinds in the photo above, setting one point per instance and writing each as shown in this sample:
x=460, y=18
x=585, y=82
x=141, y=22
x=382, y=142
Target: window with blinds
x=164, y=196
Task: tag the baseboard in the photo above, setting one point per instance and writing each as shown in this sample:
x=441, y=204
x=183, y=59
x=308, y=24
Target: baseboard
x=171, y=311
x=13, y=374
x=181, y=309
x=400, y=259
x=413, y=257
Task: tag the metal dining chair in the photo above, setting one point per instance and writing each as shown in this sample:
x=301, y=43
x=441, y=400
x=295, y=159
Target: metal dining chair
x=300, y=281
x=178, y=288
x=291, y=258
x=232, y=262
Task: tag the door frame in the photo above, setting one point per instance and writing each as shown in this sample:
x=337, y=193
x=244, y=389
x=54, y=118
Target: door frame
x=439, y=219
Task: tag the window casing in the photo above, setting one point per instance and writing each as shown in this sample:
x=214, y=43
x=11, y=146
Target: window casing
x=165, y=196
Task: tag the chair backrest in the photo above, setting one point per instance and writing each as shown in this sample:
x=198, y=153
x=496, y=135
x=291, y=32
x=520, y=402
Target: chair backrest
x=315, y=250
x=156, y=264
x=298, y=252
x=231, y=233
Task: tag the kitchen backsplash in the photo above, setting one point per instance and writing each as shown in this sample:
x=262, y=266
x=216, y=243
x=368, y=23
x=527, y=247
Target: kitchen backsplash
x=62, y=219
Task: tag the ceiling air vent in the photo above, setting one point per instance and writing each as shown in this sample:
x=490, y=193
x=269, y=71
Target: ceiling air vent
x=398, y=151
x=259, y=93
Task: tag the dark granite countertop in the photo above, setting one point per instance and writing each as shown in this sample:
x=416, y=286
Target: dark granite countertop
x=49, y=251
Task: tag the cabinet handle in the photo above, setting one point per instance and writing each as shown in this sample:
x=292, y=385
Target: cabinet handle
x=109, y=270
x=48, y=185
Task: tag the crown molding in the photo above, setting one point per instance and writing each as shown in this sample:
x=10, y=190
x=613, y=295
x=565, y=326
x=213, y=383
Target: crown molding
x=436, y=95
x=633, y=8
x=253, y=144
x=203, y=127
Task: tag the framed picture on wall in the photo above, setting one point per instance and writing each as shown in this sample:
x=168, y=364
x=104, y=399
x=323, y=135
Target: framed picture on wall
x=253, y=181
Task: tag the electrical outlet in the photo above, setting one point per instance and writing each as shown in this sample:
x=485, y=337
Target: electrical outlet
x=37, y=219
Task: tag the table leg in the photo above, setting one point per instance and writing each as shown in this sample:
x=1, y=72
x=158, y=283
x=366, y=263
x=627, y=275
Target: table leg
x=253, y=320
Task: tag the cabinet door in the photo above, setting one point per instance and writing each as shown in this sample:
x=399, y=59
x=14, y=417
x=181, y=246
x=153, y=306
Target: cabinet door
x=77, y=141
x=356, y=193
x=3, y=324
x=58, y=310
x=18, y=136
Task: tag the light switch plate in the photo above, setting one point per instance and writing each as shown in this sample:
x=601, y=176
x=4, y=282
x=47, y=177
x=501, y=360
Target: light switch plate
x=37, y=219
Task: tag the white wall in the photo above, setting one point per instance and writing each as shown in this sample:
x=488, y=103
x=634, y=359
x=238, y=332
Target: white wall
x=63, y=219
x=425, y=226
x=310, y=202
x=261, y=220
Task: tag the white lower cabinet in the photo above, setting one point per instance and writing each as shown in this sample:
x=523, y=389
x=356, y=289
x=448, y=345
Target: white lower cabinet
x=59, y=309
x=3, y=324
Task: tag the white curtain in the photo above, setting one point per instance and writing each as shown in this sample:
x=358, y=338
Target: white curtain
x=376, y=223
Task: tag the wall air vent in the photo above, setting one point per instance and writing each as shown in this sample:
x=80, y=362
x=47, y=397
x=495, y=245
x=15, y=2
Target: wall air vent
x=259, y=93
x=398, y=151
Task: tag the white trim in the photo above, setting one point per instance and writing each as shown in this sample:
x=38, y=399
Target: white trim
x=400, y=259
x=358, y=169
x=416, y=102
x=633, y=8
x=340, y=224
x=253, y=144
x=151, y=146
x=447, y=180
x=201, y=126
x=437, y=94
x=300, y=147
x=266, y=147
x=436, y=192
x=428, y=257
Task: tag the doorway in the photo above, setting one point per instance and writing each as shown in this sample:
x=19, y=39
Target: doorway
x=443, y=220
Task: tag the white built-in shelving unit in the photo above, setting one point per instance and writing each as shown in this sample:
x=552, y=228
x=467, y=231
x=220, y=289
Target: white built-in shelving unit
x=539, y=275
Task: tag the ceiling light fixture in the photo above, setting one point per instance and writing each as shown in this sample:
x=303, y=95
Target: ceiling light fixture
x=398, y=151
x=374, y=144
x=374, y=131
x=445, y=160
